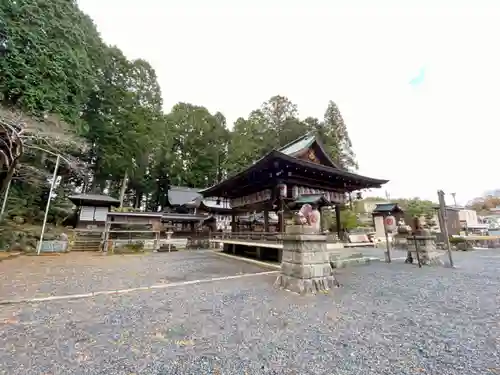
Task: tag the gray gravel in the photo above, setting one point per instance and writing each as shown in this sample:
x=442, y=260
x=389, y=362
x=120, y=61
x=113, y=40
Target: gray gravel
x=386, y=319
x=74, y=273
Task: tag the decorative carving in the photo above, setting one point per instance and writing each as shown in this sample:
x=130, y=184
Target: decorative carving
x=312, y=156
x=402, y=228
x=301, y=217
x=308, y=216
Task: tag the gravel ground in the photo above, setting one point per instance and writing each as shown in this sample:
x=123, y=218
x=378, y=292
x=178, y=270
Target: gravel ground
x=74, y=273
x=385, y=319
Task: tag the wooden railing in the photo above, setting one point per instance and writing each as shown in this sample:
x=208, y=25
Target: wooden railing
x=260, y=236
x=249, y=236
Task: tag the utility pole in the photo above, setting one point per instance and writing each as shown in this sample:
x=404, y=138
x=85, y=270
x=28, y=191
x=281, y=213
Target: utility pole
x=444, y=227
x=52, y=186
x=454, y=195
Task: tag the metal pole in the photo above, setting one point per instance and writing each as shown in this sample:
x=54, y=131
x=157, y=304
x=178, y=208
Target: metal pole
x=52, y=185
x=388, y=252
x=444, y=229
x=4, y=203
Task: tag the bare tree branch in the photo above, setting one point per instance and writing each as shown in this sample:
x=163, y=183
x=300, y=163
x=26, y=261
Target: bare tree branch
x=19, y=132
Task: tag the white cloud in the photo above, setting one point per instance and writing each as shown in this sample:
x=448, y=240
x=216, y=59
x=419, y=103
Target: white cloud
x=231, y=56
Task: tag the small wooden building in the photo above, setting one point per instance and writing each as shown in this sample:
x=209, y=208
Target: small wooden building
x=130, y=227
x=381, y=211
x=92, y=209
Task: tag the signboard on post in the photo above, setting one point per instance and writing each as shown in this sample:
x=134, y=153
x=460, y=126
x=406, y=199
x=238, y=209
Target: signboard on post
x=390, y=223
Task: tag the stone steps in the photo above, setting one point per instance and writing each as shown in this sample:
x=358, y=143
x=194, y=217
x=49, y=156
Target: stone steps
x=343, y=259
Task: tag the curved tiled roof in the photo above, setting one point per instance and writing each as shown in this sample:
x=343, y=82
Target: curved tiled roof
x=180, y=195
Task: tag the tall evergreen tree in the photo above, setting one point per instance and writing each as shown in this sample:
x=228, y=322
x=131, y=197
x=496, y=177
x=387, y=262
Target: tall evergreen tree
x=281, y=120
x=336, y=138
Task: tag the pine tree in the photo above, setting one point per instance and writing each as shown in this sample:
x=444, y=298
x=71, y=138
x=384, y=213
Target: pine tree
x=336, y=138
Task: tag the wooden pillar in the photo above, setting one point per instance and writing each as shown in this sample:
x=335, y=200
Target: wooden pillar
x=266, y=220
x=233, y=222
x=191, y=227
x=258, y=252
x=281, y=217
x=107, y=227
x=337, y=220
x=157, y=241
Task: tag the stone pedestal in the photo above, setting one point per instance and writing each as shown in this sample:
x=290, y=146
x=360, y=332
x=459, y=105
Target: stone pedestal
x=426, y=247
x=305, y=267
x=400, y=241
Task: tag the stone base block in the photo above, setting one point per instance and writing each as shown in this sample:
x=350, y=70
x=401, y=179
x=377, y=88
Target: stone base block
x=427, y=258
x=305, y=286
x=306, y=271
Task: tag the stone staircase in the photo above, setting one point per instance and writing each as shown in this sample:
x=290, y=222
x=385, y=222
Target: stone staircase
x=86, y=241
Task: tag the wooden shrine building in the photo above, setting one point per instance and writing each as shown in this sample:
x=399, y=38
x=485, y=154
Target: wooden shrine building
x=282, y=179
x=92, y=209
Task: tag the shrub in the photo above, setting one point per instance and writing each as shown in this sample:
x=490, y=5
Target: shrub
x=456, y=240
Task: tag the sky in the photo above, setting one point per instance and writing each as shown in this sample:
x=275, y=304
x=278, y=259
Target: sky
x=417, y=82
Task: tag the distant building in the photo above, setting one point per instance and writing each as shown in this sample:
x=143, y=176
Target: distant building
x=460, y=219
x=495, y=211
x=188, y=200
x=382, y=210
x=367, y=207
x=468, y=217
x=364, y=210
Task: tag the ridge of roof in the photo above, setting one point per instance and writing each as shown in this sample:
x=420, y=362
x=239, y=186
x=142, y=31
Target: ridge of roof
x=304, y=142
x=307, y=139
x=91, y=196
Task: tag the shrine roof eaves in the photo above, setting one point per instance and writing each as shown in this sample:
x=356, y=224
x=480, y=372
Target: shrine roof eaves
x=80, y=199
x=387, y=208
x=275, y=154
x=180, y=195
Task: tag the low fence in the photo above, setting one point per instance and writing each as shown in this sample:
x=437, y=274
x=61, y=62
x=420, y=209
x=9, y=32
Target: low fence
x=53, y=246
x=475, y=241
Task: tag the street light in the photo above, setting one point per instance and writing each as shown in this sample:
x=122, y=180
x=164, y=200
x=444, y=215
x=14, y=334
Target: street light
x=52, y=185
